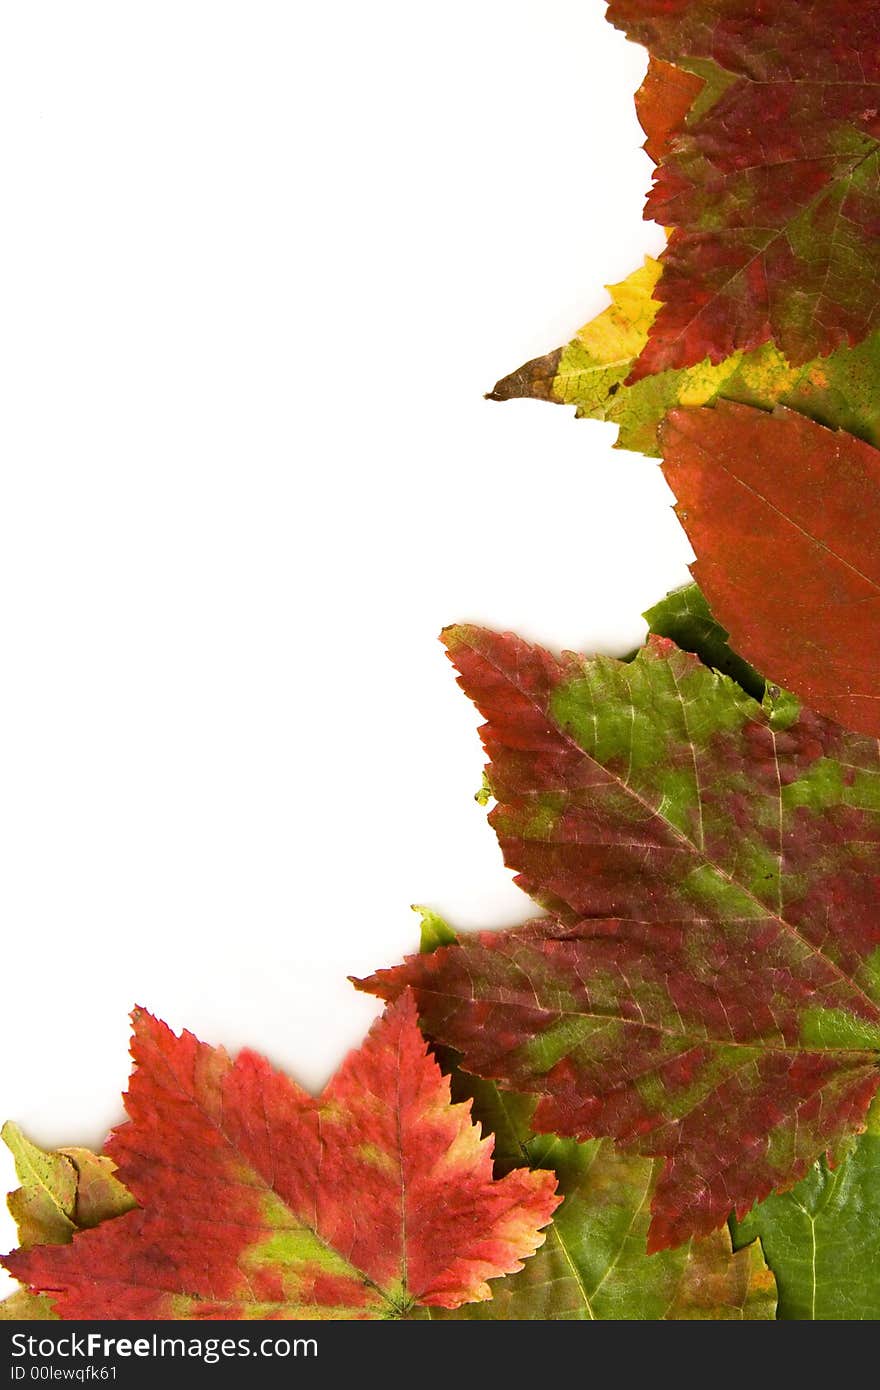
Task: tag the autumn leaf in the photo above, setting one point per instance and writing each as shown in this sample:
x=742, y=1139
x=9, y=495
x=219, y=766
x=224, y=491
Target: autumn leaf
x=771, y=185
x=591, y=374
x=823, y=1237
x=256, y=1201
x=61, y=1193
x=782, y=515
x=594, y=1263
x=707, y=989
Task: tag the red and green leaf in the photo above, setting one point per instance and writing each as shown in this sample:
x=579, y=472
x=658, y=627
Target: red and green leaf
x=707, y=989
x=594, y=1264
x=772, y=186
x=782, y=515
x=256, y=1201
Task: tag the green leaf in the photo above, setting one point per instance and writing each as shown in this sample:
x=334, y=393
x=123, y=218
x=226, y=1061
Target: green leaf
x=43, y=1207
x=822, y=1239
x=435, y=931
x=685, y=617
x=594, y=1265
x=61, y=1193
x=24, y=1306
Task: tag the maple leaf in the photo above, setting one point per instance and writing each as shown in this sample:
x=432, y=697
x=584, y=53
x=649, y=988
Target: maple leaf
x=594, y=1263
x=61, y=1193
x=256, y=1201
x=708, y=988
x=771, y=186
x=591, y=374
x=824, y=1236
x=807, y=500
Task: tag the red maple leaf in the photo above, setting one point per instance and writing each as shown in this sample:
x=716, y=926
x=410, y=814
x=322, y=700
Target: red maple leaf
x=256, y=1201
x=708, y=987
x=772, y=186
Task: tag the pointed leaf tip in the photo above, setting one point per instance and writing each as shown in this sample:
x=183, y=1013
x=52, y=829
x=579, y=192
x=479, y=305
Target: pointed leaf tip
x=534, y=380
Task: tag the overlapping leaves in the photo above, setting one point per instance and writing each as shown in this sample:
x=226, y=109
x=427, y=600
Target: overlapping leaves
x=770, y=183
x=783, y=514
x=221, y=1233
x=763, y=122
x=594, y=1265
x=695, y=1027
x=592, y=371
x=256, y=1201
x=823, y=1238
x=707, y=988
x=61, y=1193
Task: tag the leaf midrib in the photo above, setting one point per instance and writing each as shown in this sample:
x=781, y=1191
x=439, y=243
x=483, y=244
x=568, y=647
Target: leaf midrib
x=557, y=1232
x=858, y=1056
x=23, y=1160
x=814, y=540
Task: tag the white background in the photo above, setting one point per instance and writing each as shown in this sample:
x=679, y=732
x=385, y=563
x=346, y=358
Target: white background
x=260, y=261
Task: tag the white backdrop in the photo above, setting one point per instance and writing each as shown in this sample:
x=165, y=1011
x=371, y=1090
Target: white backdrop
x=260, y=263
